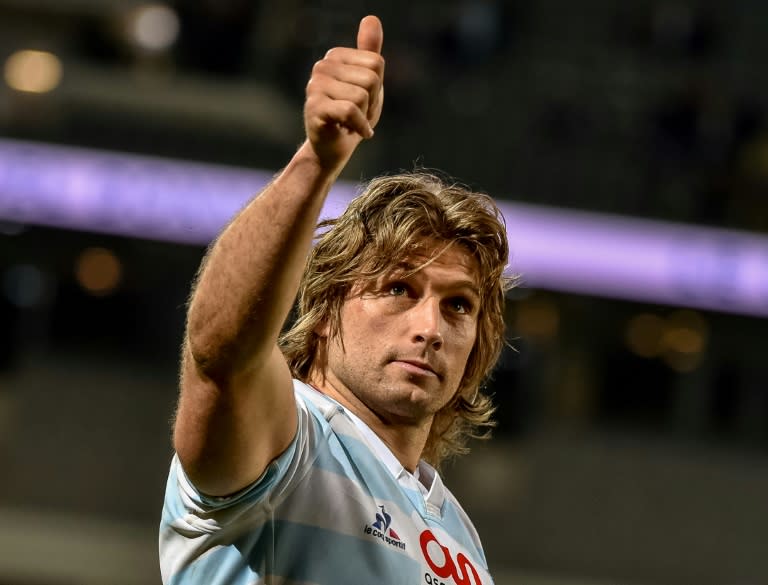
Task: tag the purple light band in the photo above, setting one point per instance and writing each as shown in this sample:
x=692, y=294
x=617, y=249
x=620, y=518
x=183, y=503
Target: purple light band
x=578, y=252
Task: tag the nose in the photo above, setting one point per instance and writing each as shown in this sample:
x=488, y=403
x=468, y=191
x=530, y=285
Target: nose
x=427, y=322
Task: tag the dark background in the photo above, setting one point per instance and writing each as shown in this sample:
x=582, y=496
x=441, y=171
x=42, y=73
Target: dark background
x=617, y=459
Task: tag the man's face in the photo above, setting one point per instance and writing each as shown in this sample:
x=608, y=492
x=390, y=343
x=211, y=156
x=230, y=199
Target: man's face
x=406, y=338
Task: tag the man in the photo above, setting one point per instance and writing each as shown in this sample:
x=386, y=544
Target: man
x=303, y=461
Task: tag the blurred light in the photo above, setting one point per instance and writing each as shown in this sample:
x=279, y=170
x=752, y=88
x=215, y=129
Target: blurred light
x=644, y=335
x=681, y=362
x=679, y=340
x=687, y=332
x=684, y=340
x=33, y=71
x=154, y=27
x=554, y=249
x=24, y=285
x=538, y=318
x=98, y=271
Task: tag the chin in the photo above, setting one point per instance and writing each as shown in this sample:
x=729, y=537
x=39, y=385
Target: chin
x=417, y=406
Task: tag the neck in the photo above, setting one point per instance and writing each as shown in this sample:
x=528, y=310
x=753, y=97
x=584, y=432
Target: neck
x=406, y=439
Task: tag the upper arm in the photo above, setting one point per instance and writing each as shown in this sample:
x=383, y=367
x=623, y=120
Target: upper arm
x=229, y=429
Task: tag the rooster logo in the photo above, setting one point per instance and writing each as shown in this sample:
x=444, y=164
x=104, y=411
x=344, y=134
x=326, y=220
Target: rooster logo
x=382, y=523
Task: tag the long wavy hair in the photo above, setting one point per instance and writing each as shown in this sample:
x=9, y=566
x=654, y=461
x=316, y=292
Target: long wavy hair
x=381, y=228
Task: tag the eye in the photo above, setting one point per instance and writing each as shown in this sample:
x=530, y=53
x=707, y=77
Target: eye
x=460, y=305
x=397, y=289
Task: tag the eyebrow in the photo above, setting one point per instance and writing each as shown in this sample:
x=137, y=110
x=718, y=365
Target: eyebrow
x=468, y=286
x=409, y=268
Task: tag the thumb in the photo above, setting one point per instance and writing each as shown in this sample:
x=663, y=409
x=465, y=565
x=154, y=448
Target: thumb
x=370, y=35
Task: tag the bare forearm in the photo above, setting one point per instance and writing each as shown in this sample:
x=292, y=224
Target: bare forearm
x=250, y=277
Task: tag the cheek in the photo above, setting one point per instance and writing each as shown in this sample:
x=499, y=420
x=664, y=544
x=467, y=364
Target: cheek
x=363, y=328
x=463, y=351
x=371, y=319
x=465, y=335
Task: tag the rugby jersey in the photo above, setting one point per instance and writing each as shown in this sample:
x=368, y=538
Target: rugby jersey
x=328, y=511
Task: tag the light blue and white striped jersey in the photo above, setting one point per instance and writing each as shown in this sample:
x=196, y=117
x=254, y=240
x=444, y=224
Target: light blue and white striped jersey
x=328, y=511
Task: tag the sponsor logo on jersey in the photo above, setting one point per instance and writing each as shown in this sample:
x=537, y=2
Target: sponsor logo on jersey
x=381, y=528
x=446, y=568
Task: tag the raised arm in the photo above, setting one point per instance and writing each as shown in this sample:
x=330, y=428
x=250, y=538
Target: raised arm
x=236, y=409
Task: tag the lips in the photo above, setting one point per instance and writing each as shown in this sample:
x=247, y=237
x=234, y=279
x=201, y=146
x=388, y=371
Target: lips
x=417, y=367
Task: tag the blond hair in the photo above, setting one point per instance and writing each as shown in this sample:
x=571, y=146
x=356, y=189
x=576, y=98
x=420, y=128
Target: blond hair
x=379, y=229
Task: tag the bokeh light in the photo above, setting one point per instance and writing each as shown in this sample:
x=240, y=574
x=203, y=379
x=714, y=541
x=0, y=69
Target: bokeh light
x=685, y=340
x=33, y=71
x=538, y=318
x=644, y=335
x=99, y=271
x=153, y=27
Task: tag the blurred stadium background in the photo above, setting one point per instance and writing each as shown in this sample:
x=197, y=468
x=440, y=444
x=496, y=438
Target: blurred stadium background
x=633, y=411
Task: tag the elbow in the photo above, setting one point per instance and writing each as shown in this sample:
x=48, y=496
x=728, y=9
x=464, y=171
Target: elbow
x=210, y=344
x=224, y=340
x=218, y=357
x=210, y=356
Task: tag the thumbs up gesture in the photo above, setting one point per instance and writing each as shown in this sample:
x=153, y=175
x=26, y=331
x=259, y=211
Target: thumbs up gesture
x=344, y=96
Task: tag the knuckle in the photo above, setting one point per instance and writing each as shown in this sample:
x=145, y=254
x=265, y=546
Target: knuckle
x=319, y=67
x=312, y=88
x=332, y=53
x=361, y=97
x=310, y=105
x=370, y=79
x=377, y=62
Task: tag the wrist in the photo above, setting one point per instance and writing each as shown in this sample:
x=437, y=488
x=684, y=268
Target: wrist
x=330, y=159
x=314, y=170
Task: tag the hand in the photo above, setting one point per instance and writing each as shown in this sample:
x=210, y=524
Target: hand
x=345, y=95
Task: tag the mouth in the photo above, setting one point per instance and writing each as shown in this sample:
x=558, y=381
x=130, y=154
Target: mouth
x=417, y=367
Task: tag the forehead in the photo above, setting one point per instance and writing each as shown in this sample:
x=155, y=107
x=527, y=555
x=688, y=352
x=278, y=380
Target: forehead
x=451, y=259
x=449, y=265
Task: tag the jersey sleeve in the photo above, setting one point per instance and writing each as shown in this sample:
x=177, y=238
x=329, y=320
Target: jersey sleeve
x=190, y=513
